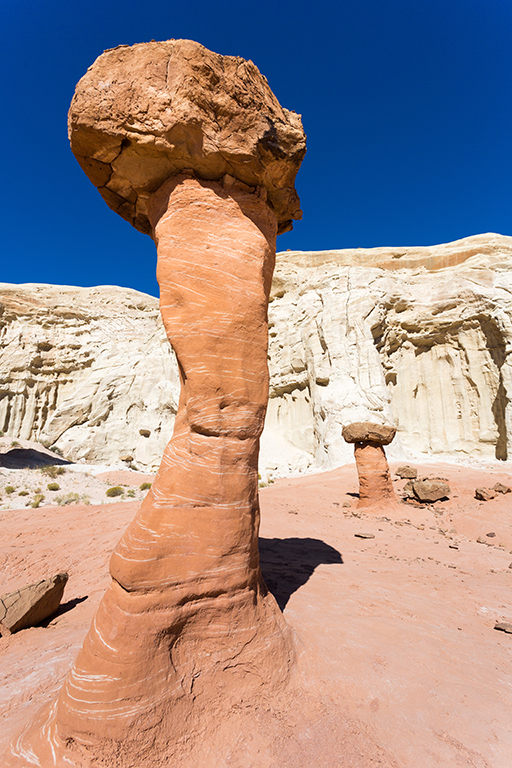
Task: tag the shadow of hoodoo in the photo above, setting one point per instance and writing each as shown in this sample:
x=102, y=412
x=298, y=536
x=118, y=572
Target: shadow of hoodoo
x=287, y=564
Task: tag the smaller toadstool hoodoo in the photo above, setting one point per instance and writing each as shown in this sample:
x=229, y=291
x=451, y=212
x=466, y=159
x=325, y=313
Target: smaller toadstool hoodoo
x=375, y=485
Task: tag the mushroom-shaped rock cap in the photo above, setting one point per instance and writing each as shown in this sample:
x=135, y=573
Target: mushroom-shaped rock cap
x=366, y=432
x=146, y=112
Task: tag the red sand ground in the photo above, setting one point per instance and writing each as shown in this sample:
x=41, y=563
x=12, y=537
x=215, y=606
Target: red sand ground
x=397, y=630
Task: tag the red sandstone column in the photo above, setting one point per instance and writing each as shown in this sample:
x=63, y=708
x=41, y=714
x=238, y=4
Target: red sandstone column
x=375, y=483
x=187, y=615
x=186, y=636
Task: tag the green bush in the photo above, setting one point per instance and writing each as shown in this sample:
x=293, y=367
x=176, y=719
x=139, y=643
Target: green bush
x=53, y=487
x=130, y=493
x=23, y=493
x=38, y=498
x=9, y=489
x=145, y=486
x=116, y=490
x=52, y=471
x=72, y=498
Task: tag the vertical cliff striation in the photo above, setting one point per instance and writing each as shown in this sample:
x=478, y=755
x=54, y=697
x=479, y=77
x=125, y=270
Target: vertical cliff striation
x=417, y=337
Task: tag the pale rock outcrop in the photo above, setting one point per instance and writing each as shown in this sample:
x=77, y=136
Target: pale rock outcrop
x=87, y=370
x=416, y=337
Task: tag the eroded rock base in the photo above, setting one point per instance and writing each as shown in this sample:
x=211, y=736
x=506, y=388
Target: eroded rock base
x=375, y=485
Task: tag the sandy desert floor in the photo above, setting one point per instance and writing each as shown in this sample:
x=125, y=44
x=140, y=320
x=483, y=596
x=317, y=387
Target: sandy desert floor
x=396, y=629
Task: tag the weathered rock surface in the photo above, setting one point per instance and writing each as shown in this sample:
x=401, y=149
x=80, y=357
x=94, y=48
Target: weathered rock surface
x=188, y=108
x=417, y=337
x=430, y=490
x=366, y=432
x=31, y=605
x=406, y=472
x=485, y=494
x=87, y=369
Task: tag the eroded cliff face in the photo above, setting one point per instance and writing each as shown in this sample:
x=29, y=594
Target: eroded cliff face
x=87, y=369
x=416, y=337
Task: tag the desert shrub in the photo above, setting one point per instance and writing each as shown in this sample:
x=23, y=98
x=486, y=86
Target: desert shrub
x=116, y=490
x=52, y=471
x=53, y=487
x=57, y=450
x=38, y=498
x=9, y=489
x=72, y=498
x=130, y=493
x=14, y=444
x=145, y=486
x=23, y=493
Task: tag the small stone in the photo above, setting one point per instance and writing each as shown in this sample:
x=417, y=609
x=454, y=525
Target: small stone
x=346, y=504
x=453, y=546
x=31, y=605
x=500, y=488
x=510, y=566
x=407, y=472
x=126, y=457
x=484, y=494
x=490, y=535
x=504, y=626
x=144, y=432
x=365, y=535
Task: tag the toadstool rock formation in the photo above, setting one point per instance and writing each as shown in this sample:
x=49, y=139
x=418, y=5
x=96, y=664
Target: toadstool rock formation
x=369, y=439
x=194, y=148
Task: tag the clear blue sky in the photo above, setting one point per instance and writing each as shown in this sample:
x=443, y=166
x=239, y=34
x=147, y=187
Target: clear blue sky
x=407, y=105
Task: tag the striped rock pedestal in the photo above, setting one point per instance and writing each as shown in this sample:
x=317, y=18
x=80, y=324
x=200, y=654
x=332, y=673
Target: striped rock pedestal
x=187, y=634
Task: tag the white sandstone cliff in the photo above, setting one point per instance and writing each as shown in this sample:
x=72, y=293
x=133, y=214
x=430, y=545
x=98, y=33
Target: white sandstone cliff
x=419, y=337
x=86, y=369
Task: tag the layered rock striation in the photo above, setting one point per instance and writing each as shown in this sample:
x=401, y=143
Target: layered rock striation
x=87, y=369
x=416, y=337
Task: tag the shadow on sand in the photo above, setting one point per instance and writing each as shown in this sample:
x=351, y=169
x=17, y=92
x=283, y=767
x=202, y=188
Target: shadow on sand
x=29, y=458
x=63, y=608
x=287, y=564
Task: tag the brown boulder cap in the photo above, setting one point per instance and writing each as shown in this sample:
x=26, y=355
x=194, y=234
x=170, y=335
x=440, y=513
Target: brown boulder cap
x=367, y=432
x=146, y=112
